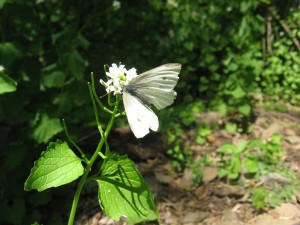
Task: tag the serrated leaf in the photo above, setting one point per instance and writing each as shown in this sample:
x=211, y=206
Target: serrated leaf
x=46, y=128
x=58, y=165
x=123, y=192
x=7, y=84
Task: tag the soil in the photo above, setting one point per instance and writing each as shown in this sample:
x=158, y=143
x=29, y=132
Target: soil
x=214, y=201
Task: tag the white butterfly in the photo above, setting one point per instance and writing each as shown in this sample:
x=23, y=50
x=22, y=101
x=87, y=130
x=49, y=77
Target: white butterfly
x=154, y=87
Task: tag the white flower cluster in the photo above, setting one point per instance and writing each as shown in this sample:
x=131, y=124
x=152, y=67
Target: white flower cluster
x=119, y=77
x=116, y=5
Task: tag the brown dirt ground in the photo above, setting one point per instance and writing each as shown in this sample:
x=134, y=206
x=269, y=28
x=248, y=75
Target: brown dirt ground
x=214, y=201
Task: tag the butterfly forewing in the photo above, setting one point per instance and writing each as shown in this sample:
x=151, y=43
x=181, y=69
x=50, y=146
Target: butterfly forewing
x=156, y=85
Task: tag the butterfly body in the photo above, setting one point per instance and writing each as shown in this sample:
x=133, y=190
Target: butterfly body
x=131, y=89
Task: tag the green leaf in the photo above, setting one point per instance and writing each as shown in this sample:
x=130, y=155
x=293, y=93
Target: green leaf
x=222, y=108
x=245, y=109
x=204, y=131
x=223, y=172
x=58, y=165
x=200, y=140
x=9, y=53
x=36, y=223
x=231, y=127
x=75, y=65
x=54, y=79
x=7, y=84
x=2, y=2
x=123, y=192
x=238, y=92
x=81, y=41
x=251, y=165
x=46, y=128
x=259, y=196
x=227, y=148
x=276, y=139
x=242, y=146
x=235, y=167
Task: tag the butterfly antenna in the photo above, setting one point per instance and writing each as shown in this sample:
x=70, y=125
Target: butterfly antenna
x=103, y=95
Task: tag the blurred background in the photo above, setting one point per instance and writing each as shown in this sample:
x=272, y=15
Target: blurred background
x=234, y=54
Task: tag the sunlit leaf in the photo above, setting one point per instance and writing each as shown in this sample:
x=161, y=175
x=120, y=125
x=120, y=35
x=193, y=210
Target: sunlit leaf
x=228, y=148
x=2, y=2
x=9, y=53
x=251, y=165
x=58, y=165
x=7, y=84
x=231, y=127
x=245, y=109
x=238, y=92
x=259, y=196
x=123, y=192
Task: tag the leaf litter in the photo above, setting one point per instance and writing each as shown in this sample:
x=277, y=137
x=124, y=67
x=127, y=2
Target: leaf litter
x=214, y=201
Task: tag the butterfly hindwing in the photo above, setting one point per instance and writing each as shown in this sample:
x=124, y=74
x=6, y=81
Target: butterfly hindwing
x=140, y=117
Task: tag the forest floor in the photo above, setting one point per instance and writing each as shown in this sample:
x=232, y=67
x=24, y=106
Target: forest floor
x=215, y=201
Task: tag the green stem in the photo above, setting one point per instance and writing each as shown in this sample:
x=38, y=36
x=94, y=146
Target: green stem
x=93, y=97
x=90, y=164
x=95, y=109
x=96, y=96
x=73, y=143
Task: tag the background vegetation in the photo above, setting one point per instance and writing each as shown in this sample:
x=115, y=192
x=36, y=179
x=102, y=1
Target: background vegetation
x=231, y=52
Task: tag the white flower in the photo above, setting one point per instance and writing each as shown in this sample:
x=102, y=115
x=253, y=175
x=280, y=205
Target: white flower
x=1, y=68
x=116, y=5
x=119, y=77
x=130, y=74
x=114, y=70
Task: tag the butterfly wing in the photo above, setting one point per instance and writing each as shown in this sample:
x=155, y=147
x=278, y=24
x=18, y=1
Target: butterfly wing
x=140, y=117
x=156, y=86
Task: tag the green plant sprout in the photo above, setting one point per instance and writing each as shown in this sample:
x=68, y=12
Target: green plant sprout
x=122, y=191
x=203, y=131
x=260, y=160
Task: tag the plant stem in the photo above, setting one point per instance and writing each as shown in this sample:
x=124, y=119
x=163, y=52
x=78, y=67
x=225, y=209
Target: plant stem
x=73, y=143
x=93, y=91
x=90, y=164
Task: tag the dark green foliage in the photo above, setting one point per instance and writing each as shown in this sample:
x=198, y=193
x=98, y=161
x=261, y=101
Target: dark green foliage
x=49, y=49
